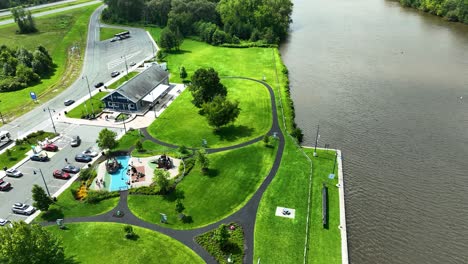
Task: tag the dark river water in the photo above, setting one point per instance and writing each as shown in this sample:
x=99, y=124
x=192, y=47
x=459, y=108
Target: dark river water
x=385, y=85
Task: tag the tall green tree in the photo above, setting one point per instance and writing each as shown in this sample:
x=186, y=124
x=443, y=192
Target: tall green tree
x=221, y=111
x=205, y=86
x=169, y=40
x=29, y=244
x=221, y=235
x=41, y=200
x=106, y=139
x=202, y=160
x=124, y=10
x=161, y=177
x=157, y=12
x=183, y=73
x=24, y=20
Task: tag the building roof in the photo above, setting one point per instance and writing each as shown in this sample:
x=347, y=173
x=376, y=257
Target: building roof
x=141, y=85
x=156, y=93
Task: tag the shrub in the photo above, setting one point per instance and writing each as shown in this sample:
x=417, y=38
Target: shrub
x=95, y=197
x=87, y=174
x=145, y=190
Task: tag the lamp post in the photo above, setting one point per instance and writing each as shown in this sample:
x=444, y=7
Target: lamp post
x=42, y=175
x=1, y=116
x=89, y=91
x=316, y=141
x=51, y=119
x=125, y=58
x=152, y=48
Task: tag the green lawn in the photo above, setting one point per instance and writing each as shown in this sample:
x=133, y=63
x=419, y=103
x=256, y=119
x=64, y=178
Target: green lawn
x=128, y=140
x=253, y=121
x=233, y=178
x=57, y=33
x=122, y=80
x=106, y=242
x=151, y=149
x=287, y=245
x=85, y=107
x=18, y=152
x=66, y=206
x=108, y=33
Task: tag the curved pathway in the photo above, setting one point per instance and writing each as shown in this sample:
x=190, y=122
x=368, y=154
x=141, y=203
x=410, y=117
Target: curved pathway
x=245, y=216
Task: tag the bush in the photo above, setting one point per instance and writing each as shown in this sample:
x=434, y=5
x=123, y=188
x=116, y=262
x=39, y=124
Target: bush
x=145, y=190
x=87, y=174
x=95, y=197
x=297, y=133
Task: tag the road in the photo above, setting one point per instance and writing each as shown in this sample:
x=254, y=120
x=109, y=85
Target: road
x=45, y=13
x=7, y=12
x=101, y=58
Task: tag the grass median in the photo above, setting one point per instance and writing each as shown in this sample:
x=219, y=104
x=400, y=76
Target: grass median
x=106, y=242
x=58, y=33
x=85, y=107
x=120, y=81
x=233, y=178
x=254, y=119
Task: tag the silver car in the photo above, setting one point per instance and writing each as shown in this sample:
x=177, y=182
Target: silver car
x=24, y=209
x=14, y=173
x=90, y=152
x=76, y=141
x=4, y=222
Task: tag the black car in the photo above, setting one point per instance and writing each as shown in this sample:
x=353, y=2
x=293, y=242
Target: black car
x=39, y=157
x=99, y=84
x=115, y=74
x=83, y=158
x=68, y=102
x=71, y=169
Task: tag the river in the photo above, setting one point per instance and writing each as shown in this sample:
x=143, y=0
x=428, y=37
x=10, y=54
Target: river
x=385, y=85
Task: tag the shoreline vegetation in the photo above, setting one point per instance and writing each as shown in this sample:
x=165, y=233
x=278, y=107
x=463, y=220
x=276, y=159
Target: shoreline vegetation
x=451, y=10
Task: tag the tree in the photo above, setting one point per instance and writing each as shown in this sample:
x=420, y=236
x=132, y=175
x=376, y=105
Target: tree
x=266, y=140
x=169, y=40
x=183, y=73
x=221, y=235
x=202, y=160
x=129, y=233
x=24, y=20
x=106, y=139
x=179, y=206
x=158, y=11
x=26, y=75
x=221, y=111
x=161, y=177
x=205, y=86
x=41, y=200
x=32, y=244
x=139, y=146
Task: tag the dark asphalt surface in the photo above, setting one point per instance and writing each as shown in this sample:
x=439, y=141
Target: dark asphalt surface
x=245, y=216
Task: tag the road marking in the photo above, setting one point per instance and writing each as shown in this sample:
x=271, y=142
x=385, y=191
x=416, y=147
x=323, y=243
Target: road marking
x=117, y=62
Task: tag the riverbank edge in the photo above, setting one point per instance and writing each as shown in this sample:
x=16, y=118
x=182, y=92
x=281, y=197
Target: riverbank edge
x=341, y=186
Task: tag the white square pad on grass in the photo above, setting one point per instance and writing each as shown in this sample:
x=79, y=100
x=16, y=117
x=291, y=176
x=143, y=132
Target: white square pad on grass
x=285, y=212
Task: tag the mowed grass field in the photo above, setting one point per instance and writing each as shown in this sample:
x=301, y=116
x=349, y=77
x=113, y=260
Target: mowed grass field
x=106, y=242
x=57, y=33
x=282, y=240
x=43, y=9
x=233, y=178
x=181, y=116
x=85, y=107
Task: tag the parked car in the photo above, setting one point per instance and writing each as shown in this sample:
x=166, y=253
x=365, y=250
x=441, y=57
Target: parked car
x=68, y=102
x=39, y=157
x=21, y=208
x=4, y=222
x=76, y=141
x=4, y=186
x=132, y=64
x=90, y=152
x=114, y=39
x=99, y=84
x=115, y=74
x=83, y=158
x=14, y=173
x=61, y=175
x=71, y=169
x=50, y=147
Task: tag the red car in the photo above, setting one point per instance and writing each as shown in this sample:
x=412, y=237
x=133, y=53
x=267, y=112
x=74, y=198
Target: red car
x=4, y=186
x=61, y=175
x=50, y=147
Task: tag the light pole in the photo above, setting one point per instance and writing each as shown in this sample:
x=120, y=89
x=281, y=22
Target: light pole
x=51, y=119
x=125, y=58
x=1, y=116
x=316, y=141
x=152, y=48
x=90, y=98
x=42, y=175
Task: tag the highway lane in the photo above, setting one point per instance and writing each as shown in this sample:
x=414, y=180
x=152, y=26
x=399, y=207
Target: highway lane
x=8, y=12
x=101, y=58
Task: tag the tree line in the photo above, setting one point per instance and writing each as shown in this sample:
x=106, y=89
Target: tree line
x=214, y=21
x=452, y=10
x=20, y=67
x=12, y=3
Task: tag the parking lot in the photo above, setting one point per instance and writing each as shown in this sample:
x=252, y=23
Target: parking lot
x=21, y=187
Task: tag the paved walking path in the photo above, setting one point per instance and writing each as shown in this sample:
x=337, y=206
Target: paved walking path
x=245, y=216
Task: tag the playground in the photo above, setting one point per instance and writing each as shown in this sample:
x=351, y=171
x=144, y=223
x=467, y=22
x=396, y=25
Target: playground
x=125, y=172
